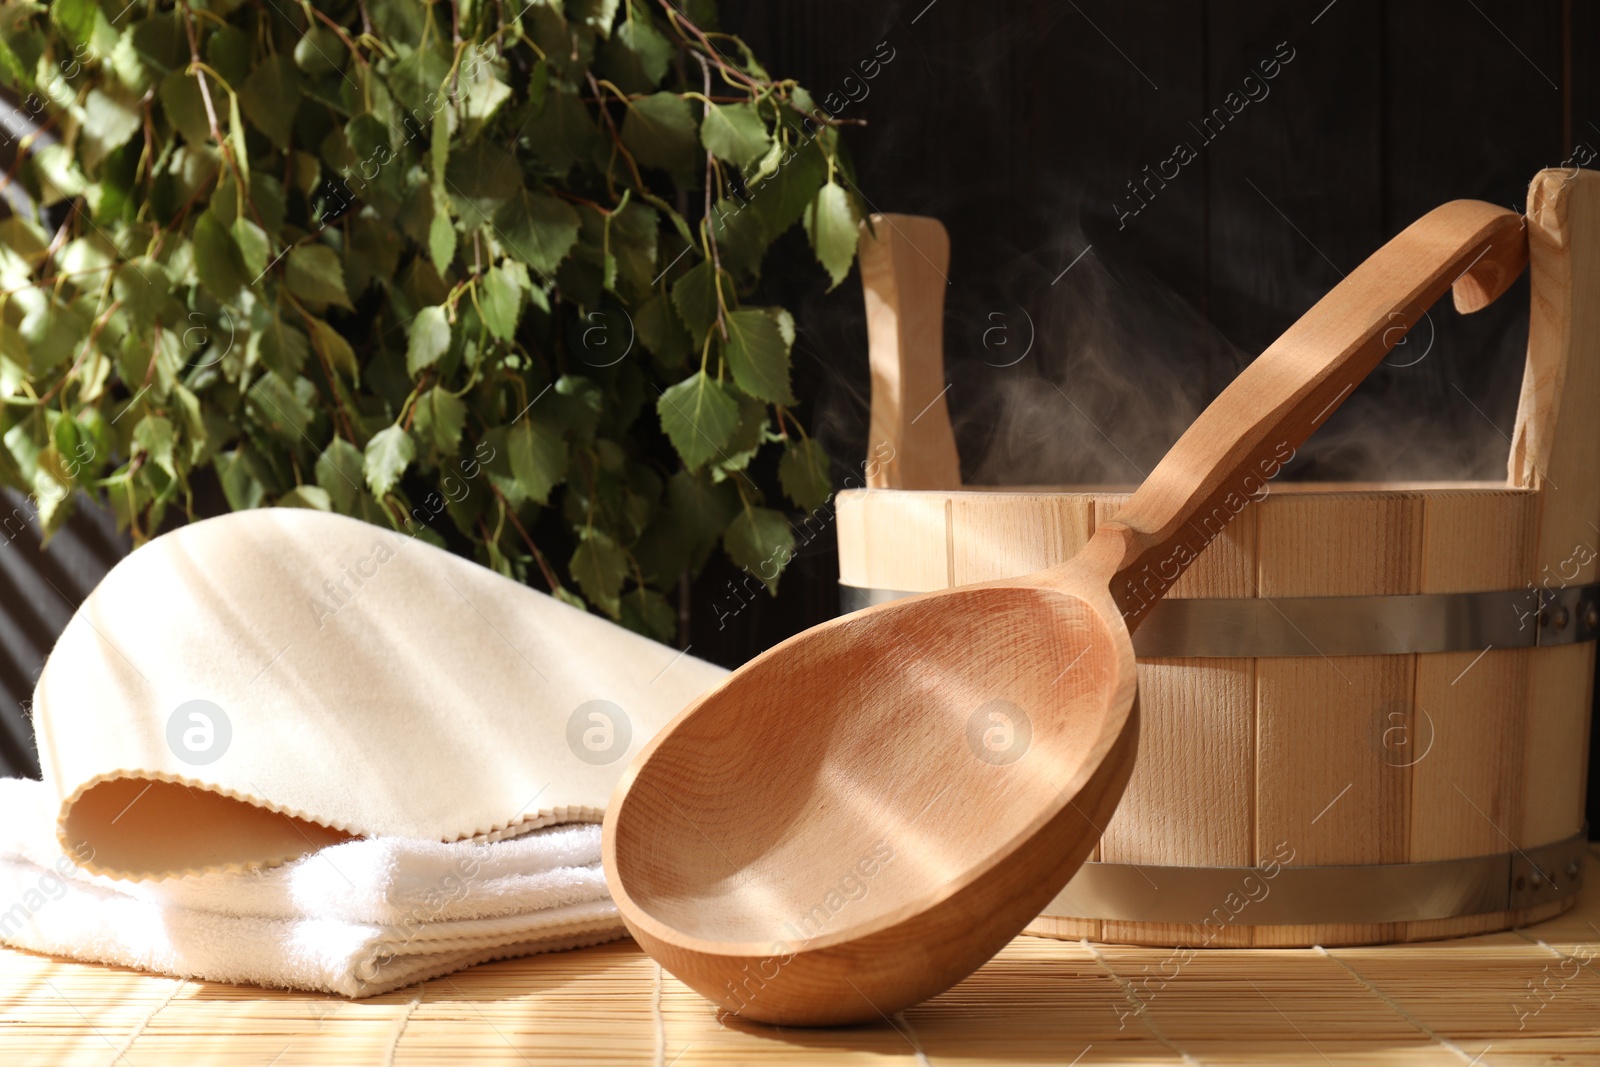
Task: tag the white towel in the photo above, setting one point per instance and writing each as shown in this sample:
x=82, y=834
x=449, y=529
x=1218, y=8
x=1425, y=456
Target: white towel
x=357, y=918
x=358, y=680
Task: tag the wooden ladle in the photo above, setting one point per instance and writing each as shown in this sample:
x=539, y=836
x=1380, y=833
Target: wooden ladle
x=861, y=816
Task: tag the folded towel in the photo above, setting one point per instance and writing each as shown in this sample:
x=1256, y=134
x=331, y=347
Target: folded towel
x=251, y=687
x=356, y=918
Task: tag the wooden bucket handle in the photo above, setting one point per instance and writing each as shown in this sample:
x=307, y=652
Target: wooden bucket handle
x=1226, y=458
x=1563, y=343
x=905, y=262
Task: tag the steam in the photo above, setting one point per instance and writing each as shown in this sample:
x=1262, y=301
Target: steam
x=1120, y=365
x=1086, y=380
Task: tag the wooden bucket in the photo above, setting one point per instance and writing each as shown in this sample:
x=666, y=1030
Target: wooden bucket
x=1365, y=708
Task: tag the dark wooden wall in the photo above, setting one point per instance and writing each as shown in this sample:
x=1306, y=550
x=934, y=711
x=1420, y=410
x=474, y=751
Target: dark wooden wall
x=1020, y=124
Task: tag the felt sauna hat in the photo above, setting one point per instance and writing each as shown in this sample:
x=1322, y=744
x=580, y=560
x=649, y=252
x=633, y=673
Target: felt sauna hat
x=250, y=687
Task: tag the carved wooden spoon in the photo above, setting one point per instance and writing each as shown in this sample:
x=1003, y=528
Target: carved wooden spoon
x=861, y=816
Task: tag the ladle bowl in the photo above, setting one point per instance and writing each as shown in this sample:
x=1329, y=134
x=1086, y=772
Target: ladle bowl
x=898, y=774
x=863, y=815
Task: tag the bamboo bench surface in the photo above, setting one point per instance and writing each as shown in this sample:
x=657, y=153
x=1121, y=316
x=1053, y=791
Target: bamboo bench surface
x=1470, y=1001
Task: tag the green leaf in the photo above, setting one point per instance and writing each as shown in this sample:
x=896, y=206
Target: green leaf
x=153, y=47
x=761, y=541
x=109, y=122
x=335, y=349
x=746, y=440
x=415, y=80
x=371, y=252
x=501, y=299
x=832, y=225
x=240, y=487
x=340, y=473
x=307, y=496
x=767, y=166
x=253, y=245
x=740, y=236
x=782, y=199
x=803, y=472
x=429, y=340
x=638, y=52
x=192, y=424
x=52, y=333
x=402, y=21
x=735, y=133
x=155, y=437
x=270, y=96
x=562, y=132
x=142, y=285
x=758, y=356
x=154, y=356
x=703, y=13
x=110, y=199
x=696, y=299
x=314, y=273
x=481, y=92
x=567, y=49
x=190, y=173
x=184, y=106
x=633, y=232
x=52, y=493
x=538, y=230
x=281, y=347
x=582, y=275
x=440, y=418
x=660, y=331
x=785, y=324
x=13, y=71
x=388, y=454
x=441, y=241
x=217, y=258
x=648, y=612
x=703, y=508
x=598, y=15
x=83, y=22
x=538, y=458
x=319, y=51
x=58, y=174
x=480, y=177
x=567, y=596
x=698, y=415
x=236, y=137
x=228, y=52
x=575, y=405
x=659, y=131
x=600, y=568
x=439, y=149
x=280, y=409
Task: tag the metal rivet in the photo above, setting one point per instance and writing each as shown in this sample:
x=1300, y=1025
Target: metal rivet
x=1562, y=618
x=1544, y=618
x=1521, y=883
x=1536, y=879
x=1572, y=867
x=1591, y=617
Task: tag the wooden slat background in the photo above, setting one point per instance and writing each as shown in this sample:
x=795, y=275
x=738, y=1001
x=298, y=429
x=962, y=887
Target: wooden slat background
x=1019, y=124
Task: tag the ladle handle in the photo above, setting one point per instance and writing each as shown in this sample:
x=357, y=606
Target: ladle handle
x=1225, y=459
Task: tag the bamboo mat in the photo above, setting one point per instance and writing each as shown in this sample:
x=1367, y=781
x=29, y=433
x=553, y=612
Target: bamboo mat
x=1523, y=997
